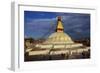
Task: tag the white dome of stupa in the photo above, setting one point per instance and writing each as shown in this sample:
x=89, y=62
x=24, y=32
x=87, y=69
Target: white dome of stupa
x=59, y=38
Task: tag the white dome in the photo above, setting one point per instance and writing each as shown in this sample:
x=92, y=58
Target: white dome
x=59, y=38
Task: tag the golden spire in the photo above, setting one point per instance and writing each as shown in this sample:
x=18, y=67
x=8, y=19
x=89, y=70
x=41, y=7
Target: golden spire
x=60, y=27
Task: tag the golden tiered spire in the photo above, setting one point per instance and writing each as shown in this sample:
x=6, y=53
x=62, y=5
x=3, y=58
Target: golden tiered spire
x=60, y=27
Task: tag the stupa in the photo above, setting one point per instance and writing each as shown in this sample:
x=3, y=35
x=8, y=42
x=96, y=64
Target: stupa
x=58, y=42
x=59, y=39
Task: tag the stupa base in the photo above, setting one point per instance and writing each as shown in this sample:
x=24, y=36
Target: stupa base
x=57, y=46
x=58, y=54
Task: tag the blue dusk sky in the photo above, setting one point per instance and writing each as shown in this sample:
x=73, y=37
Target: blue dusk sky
x=39, y=24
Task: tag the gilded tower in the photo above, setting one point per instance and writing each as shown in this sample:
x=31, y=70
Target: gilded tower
x=59, y=27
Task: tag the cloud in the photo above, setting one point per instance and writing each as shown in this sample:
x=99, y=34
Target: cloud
x=40, y=27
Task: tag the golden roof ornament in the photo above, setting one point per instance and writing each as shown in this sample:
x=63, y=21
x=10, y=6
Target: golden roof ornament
x=60, y=27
